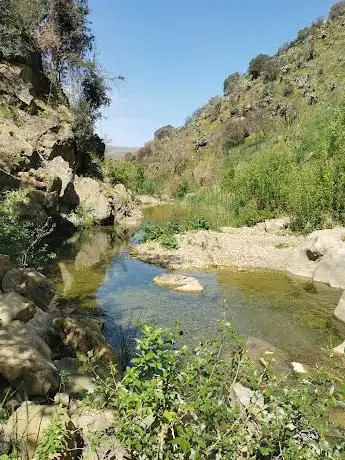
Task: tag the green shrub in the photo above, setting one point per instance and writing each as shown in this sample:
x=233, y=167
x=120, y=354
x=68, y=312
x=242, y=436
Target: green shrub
x=257, y=65
x=178, y=403
x=21, y=238
x=231, y=83
x=125, y=172
x=182, y=190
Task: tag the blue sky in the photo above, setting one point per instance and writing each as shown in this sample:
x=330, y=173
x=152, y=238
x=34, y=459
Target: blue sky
x=176, y=54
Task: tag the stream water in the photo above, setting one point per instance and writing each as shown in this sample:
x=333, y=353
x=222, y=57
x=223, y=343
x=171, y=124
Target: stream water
x=95, y=275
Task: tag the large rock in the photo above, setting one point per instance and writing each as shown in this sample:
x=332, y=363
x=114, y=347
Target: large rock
x=179, y=283
x=84, y=334
x=126, y=208
x=339, y=312
x=147, y=201
x=5, y=265
x=15, y=307
x=30, y=284
x=320, y=256
x=27, y=425
x=93, y=200
x=250, y=400
x=25, y=360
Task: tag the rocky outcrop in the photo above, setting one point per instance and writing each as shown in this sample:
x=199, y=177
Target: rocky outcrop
x=15, y=307
x=25, y=360
x=320, y=256
x=179, y=283
x=30, y=284
x=93, y=200
x=27, y=425
x=81, y=335
x=126, y=207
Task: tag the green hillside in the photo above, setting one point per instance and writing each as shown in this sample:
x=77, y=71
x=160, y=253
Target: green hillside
x=272, y=144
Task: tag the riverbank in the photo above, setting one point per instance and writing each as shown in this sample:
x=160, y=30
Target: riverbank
x=242, y=248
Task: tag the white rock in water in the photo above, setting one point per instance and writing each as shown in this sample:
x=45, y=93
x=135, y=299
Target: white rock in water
x=299, y=368
x=179, y=283
x=340, y=349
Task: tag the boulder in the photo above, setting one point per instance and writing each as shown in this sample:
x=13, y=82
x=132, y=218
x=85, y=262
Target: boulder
x=5, y=265
x=30, y=284
x=179, y=283
x=320, y=256
x=277, y=225
x=126, y=208
x=56, y=168
x=25, y=360
x=147, y=201
x=27, y=425
x=250, y=400
x=340, y=349
x=93, y=200
x=339, y=312
x=15, y=307
x=81, y=335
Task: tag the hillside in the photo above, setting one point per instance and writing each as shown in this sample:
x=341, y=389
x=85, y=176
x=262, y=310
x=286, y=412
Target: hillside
x=118, y=152
x=283, y=106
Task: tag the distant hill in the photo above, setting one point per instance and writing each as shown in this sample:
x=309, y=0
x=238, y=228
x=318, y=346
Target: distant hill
x=116, y=152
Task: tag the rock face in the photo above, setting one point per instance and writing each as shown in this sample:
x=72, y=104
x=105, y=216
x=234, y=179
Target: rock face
x=30, y=284
x=82, y=335
x=321, y=256
x=15, y=307
x=126, y=207
x=26, y=427
x=93, y=200
x=26, y=359
x=179, y=283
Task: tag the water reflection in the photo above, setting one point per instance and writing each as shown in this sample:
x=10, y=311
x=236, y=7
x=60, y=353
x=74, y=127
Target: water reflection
x=95, y=274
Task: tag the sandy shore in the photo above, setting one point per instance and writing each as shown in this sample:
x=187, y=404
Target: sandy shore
x=241, y=248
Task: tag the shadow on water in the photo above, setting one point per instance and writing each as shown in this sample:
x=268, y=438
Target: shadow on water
x=95, y=276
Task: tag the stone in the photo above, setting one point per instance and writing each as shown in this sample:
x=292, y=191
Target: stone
x=250, y=400
x=339, y=312
x=57, y=168
x=320, y=256
x=179, y=283
x=340, y=349
x=78, y=382
x=277, y=225
x=15, y=307
x=61, y=399
x=26, y=428
x=25, y=360
x=93, y=200
x=147, y=201
x=299, y=369
x=268, y=355
x=81, y=335
x=5, y=265
x=126, y=207
x=30, y=284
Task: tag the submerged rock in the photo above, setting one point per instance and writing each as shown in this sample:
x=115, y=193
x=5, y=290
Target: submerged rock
x=179, y=283
x=300, y=369
x=78, y=381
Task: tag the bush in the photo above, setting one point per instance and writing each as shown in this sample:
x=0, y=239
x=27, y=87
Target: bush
x=179, y=403
x=234, y=133
x=182, y=190
x=231, y=83
x=257, y=65
x=338, y=9
x=22, y=239
x=271, y=69
x=125, y=172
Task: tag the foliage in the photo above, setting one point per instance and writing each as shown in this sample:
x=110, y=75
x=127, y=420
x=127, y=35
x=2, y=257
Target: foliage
x=166, y=233
x=231, y=83
x=234, y=133
x=178, y=403
x=182, y=190
x=54, y=442
x=257, y=65
x=125, y=172
x=22, y=239
x=338, y=9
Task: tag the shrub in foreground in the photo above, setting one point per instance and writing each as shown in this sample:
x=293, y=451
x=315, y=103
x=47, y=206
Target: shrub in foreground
x=179, y=403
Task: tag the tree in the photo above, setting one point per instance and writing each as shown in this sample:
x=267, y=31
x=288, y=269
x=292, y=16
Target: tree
x=257, y=65
x=338, y=9
x=231, y=83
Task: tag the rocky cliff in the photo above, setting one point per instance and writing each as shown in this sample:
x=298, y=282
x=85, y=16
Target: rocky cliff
x=38, y=151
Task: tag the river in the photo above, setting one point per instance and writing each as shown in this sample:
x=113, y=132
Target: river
x=96, y=276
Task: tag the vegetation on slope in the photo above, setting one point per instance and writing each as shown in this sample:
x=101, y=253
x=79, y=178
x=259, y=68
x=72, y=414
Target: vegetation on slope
x=272, y=145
